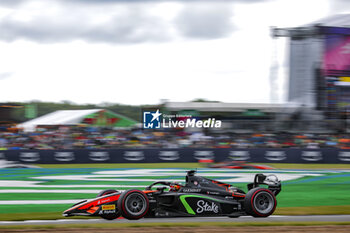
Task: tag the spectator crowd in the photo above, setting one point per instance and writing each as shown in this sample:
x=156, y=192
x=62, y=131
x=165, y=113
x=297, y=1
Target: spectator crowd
x=104, y=138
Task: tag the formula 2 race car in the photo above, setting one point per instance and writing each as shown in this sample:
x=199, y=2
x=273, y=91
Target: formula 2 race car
x=200, y=196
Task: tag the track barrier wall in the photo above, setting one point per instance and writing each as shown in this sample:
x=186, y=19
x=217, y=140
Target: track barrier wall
x=290, y=155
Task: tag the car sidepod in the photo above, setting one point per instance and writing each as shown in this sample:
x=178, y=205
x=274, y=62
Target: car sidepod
x=205, y=205
x=195, y=204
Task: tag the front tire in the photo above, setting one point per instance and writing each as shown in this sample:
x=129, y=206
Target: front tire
x=133, y=204
x=109, y=216
x=260, y=202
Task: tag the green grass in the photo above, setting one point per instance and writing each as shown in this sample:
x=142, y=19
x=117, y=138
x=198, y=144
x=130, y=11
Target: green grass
x=8, y=212
x=315, y=192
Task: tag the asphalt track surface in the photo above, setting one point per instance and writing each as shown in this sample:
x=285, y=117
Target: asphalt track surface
x=273, y=218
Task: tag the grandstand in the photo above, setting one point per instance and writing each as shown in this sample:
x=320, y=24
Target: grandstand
x=6, y=115
x=319, y=69
x=309, y=60
x=318, y=91
x=236, y=117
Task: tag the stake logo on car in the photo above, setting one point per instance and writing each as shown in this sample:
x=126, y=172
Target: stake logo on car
x=204, y=206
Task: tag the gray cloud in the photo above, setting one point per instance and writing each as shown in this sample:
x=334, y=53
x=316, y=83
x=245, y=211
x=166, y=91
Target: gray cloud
x=134, y=27
x=207, y=21
x=121, y=23
x=129, y=25
x=99, y=2
x=10, y=2
x=145, y=1
x=5, y=75
x=338, y=6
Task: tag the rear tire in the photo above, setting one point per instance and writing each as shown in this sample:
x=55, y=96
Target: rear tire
x=260, y=202
x=133, y=204
x=109, y=216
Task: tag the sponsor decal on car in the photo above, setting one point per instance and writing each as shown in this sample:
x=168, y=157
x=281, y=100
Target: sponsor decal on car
x=103, y=201
x=106, y=212
x=108, y=207
x=191, y=210
x=204, y=206
x=191, y=190
x=212, y=193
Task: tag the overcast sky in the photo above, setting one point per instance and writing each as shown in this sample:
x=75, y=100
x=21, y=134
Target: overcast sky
x=142, y=51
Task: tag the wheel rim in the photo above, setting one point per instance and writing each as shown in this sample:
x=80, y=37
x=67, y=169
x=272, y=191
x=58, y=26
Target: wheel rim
x=135, y=204
x=264, y=202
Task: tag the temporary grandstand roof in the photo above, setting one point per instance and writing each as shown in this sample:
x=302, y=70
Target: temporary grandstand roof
x=98, y=117
x=340, y=20
x=314, y=28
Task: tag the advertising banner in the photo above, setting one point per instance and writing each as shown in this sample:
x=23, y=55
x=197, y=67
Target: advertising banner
x=336, y=50
x=186, y=155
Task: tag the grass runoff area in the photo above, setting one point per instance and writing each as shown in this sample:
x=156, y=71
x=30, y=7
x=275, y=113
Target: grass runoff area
x=307, y=189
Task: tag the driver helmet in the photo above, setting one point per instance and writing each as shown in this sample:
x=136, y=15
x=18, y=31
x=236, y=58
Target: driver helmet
x=175, y=187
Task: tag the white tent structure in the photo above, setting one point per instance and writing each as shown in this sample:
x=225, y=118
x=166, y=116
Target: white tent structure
x=60, y=117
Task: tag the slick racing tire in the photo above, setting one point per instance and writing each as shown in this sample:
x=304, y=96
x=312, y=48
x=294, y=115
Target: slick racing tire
x=260, y=202
x=109, y=216
x=133, y=204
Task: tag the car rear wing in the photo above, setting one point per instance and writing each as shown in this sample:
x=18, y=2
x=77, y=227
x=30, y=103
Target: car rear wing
x=274, y=185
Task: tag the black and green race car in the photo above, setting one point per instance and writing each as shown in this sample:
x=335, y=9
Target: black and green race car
x=199, y=196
